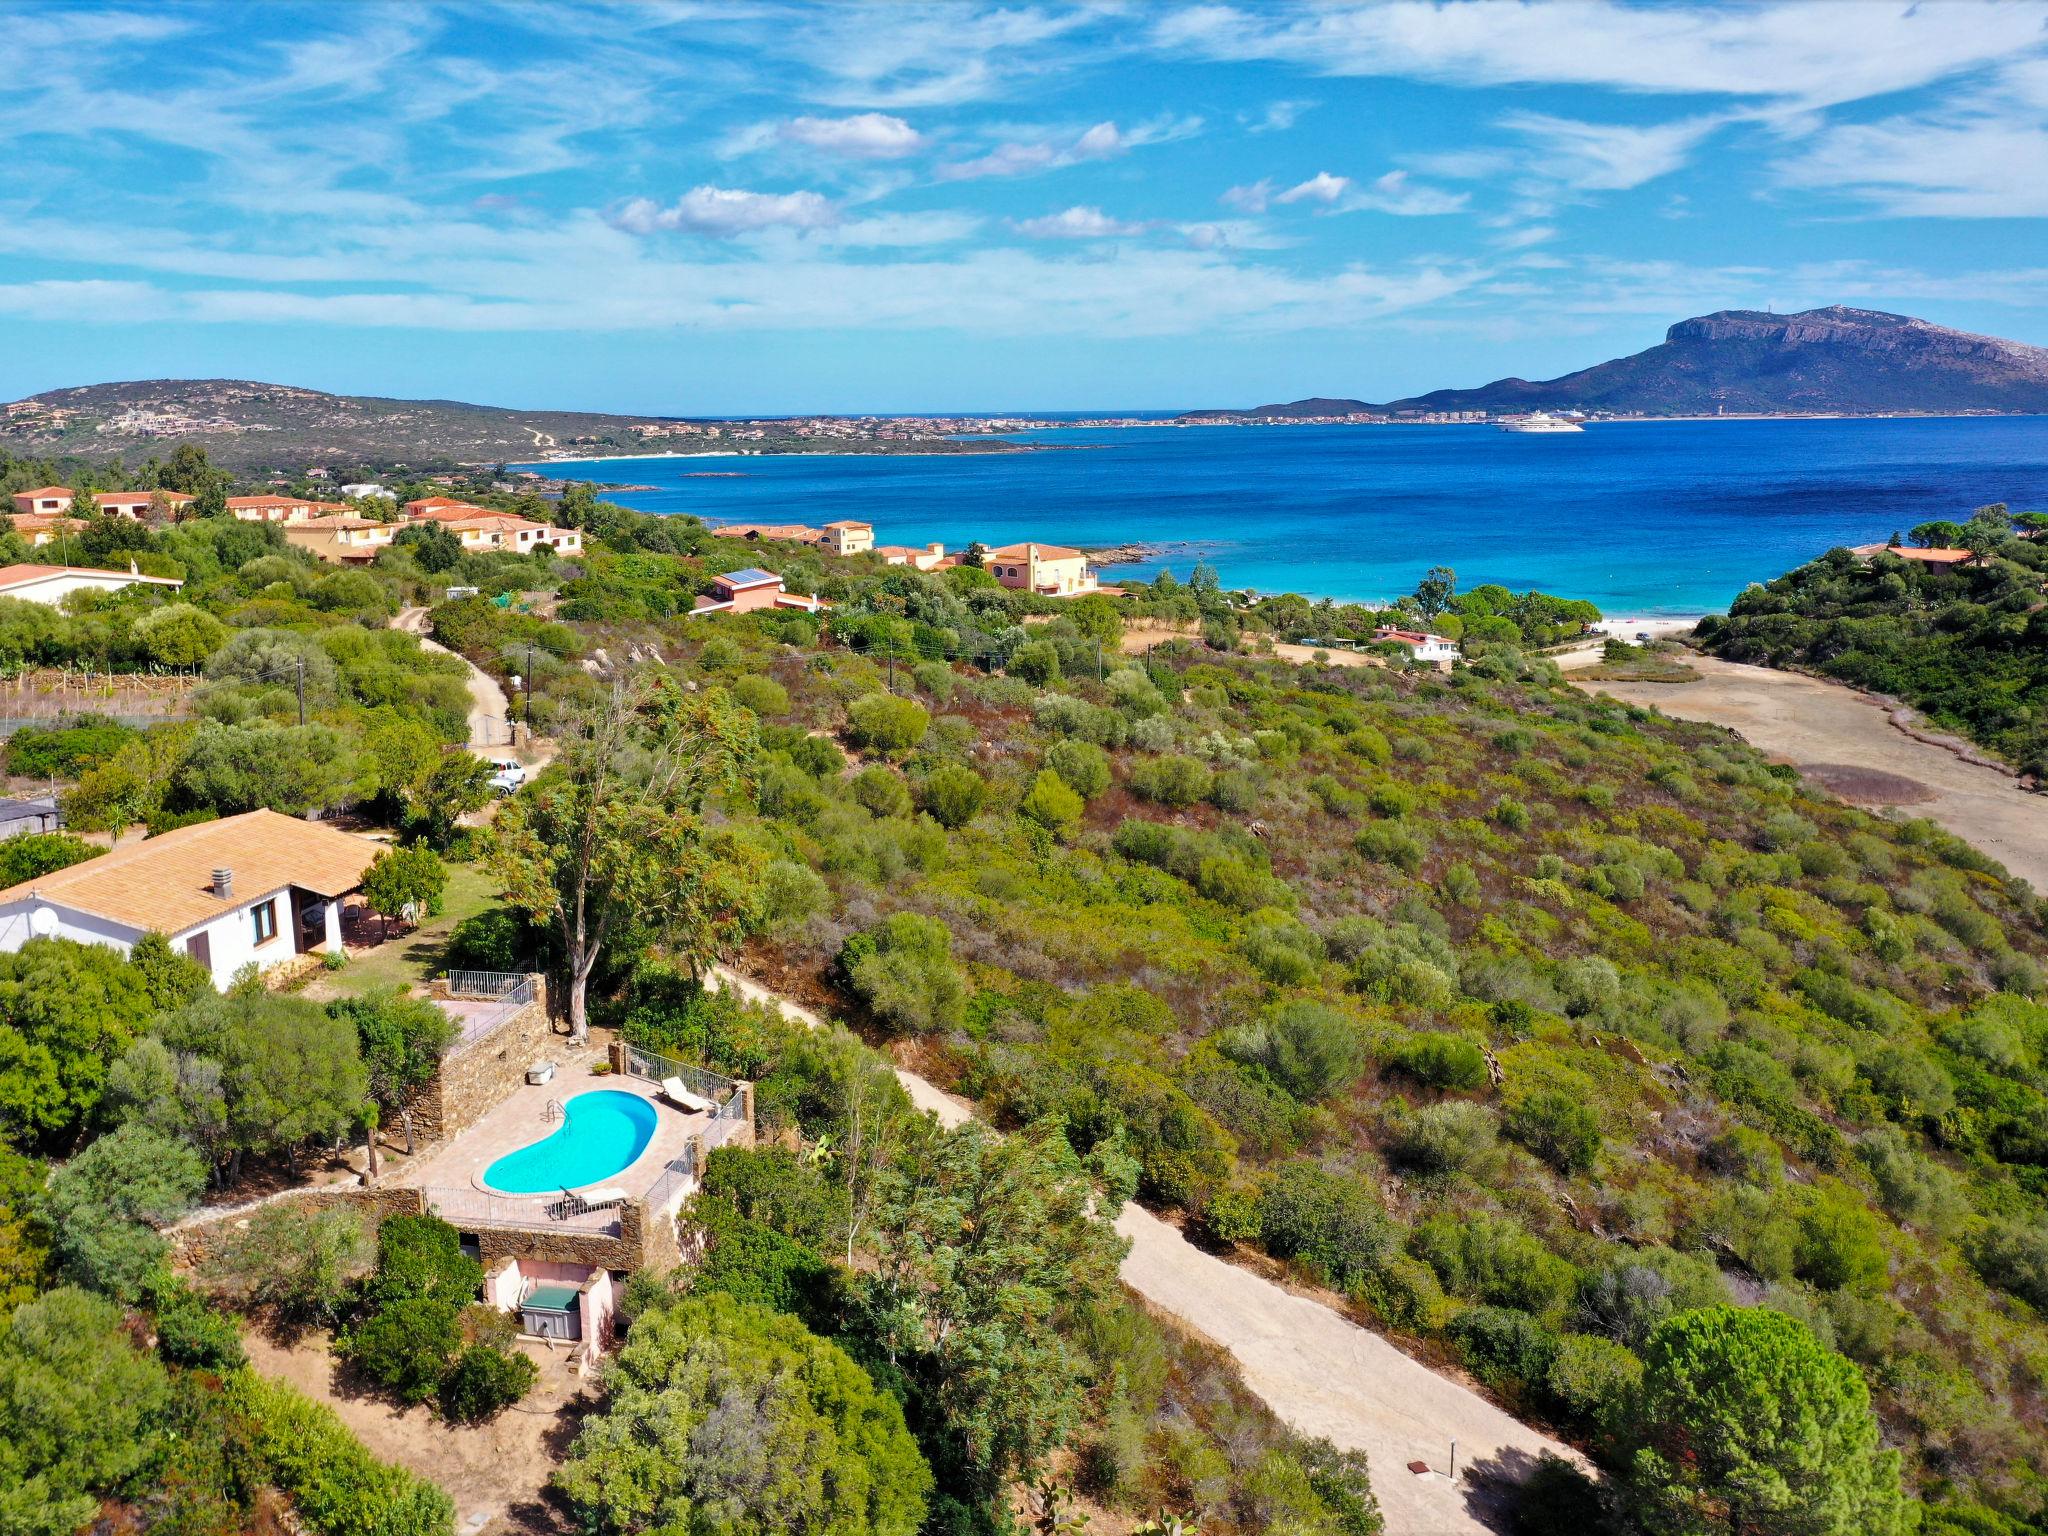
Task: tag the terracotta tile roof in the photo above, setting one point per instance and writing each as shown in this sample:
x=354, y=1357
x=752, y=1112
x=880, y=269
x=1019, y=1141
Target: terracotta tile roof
x=794, y=533
x=1045, y=552
x=253, y=502
x=166, y=883
x=45, y=490
x=439, y=509
x=486, y=522
x=751, y=576
x=847, y=522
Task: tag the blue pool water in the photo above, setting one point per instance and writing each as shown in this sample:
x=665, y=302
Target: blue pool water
x=1671, y=517
x=600, y=1135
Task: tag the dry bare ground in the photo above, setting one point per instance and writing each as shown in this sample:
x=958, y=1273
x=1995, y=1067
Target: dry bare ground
x=1848, y=742
x=497, y=1473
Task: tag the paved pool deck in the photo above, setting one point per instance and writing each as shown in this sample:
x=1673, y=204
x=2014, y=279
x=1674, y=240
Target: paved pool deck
x=521, y=1119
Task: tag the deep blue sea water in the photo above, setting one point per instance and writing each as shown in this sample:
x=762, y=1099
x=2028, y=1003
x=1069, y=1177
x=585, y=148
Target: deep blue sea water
x=1644, y=518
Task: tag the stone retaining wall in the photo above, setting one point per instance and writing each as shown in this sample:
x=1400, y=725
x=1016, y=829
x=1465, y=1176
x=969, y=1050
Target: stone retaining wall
x=197, y=1238
x=478, y=1073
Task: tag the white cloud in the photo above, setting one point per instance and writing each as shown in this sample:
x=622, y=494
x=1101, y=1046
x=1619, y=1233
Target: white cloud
x=1391, y=193
x=1984, y=160
x=1038, y=150
x=902, y=229
x=1254, y=197
x=1815, y=51
x=1319, y=188
x=724, y=212
x=1077, y=223
x=864, y=136
x=1607, y=157
x=1278, y=117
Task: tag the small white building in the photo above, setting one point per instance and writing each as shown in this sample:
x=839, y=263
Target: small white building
x=259, y=888
x=53, y=583
x=1432, y=650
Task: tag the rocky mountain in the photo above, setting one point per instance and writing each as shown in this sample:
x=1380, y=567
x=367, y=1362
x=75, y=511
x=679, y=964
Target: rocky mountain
x=1833, y=360
x=246, y=425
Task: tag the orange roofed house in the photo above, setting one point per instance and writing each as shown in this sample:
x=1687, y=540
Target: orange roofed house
x=44, y=498
x=749, y=591
x=479, y=528
x=141, y=505
x=255, y=889
x=1051, y=570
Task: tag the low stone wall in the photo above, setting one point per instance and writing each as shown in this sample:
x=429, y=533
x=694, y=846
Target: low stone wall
x=198, y=1237
x=476, y=1074
x=630, y=1248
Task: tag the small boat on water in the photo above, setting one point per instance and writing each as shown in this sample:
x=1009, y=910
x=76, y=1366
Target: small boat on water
x=1539, y=421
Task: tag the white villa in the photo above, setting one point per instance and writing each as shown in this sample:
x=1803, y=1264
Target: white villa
x=51, y=584
x=259, y=888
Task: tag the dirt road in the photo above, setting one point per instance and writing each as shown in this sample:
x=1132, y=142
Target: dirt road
x=490, y=714
x=1847, y=742
x=1318, y=1371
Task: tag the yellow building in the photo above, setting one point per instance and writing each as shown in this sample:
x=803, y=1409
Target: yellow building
x=1051, y=570
x=848, y=538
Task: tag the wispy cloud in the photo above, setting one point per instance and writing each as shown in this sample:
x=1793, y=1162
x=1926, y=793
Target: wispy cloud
x=863, y=136
x=1392, y=193
x=1815, y=51
x=1077, y=223
x=723, y=212
x=1037, y=150
x=1607, y=157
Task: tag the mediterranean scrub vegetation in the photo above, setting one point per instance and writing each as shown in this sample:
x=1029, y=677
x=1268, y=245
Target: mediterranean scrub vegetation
x=1580, y=1047
x=1966, y=642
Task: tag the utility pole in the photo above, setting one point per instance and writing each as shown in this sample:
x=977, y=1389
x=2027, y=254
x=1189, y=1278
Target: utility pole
x=529, y=687
x=302, y=690
x=892, y=671
x=1098, y=661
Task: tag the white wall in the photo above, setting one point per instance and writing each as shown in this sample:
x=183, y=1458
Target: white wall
x=55, y=589
x=231, y=936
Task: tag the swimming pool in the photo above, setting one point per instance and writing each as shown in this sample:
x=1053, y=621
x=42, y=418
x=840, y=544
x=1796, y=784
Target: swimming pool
x=600, y=1135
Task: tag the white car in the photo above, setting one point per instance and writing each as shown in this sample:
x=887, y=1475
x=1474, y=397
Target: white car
x=508, y=775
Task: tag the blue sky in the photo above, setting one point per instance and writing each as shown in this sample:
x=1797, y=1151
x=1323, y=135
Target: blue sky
x=727, y=206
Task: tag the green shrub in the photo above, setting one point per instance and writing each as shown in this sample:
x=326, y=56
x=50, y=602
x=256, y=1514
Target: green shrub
x=495, y=940
x=1504, y=1347
x=1052, y=803
x=1593, y=1380
x=1331, y=1222
x=1492, y=1259
x=952, y=795
x=485, y=1380
x=1558, y=1127
x=1840, y=1245
x=882, y=722
x=763, y=695
x=1444, y=1138
x=339, y=1488
x=1172, y=780
x=191, y=1331
x=881, y=791
x=1450, y=1063
x=792, y=894
x=1081, y=764
x=1387, y=842
x=905, y=974
x=407, y=1346
x=1036, y=661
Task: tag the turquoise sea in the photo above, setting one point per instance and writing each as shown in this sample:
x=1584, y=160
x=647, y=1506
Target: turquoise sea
x=1644, y=518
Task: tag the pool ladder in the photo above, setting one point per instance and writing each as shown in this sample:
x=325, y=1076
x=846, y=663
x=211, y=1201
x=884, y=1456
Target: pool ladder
x=552, y=1112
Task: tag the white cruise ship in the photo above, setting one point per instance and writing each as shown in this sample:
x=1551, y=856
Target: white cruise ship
x=1539, y=421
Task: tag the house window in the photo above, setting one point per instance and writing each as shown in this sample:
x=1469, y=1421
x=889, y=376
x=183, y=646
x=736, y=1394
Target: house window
x=265, y=919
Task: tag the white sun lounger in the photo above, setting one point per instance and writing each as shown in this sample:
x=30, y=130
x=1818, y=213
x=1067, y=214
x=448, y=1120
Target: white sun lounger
x=676, y=1093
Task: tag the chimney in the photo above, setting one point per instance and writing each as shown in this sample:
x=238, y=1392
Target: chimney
x=224, y=884
x=935, y=548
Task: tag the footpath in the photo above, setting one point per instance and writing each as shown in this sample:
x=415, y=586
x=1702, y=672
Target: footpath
x=1318, y=1371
